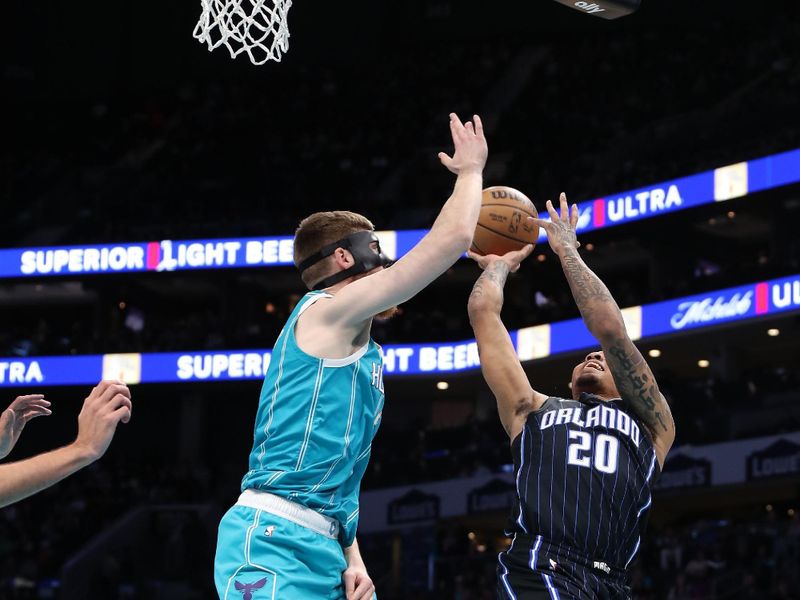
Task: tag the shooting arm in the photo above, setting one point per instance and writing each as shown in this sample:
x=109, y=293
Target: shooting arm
x=446, y=242
x=632, y=374
x=499, y=362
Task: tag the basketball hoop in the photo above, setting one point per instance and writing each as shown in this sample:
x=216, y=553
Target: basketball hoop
x=256, y=27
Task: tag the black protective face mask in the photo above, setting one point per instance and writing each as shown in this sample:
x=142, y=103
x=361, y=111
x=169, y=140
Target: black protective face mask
x=365, y=257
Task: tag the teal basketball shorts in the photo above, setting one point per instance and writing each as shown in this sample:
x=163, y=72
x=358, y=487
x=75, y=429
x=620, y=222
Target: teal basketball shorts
x=269, y=555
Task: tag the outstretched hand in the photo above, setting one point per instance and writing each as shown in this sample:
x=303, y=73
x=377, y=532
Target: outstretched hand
x=108, y=404
x=561, y=228
x=512, y=259
x=470, y=146
x=16, y=416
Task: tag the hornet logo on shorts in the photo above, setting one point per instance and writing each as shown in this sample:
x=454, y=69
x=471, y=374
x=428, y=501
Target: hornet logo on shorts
x=248, y=588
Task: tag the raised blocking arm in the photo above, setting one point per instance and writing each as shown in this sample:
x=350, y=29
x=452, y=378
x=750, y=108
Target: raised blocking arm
x=446, y=242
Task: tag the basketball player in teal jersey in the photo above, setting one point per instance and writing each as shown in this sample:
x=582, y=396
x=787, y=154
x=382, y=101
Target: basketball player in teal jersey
x=292, y=533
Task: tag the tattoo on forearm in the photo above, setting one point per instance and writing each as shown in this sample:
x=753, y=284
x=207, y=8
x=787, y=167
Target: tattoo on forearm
x=637, y=386
x=497, y=273
x=591, y=295
x=632, y=375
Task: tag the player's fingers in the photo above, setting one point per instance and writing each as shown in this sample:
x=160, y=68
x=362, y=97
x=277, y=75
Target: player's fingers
x=546, y=225
x=453, y=128
x=574, y=215
x=100, y=389
x=364, y=590
x=23, y=407
x=104, y=384
x=563, y=206
x=36, y=412
x=123, y=413
x=470, y=128
x=445, y=159
x=551, y=211
x=526, y=251
x=517, y=256
x=473, y=255
x=362, y=586
x=456, y=126
x=27, y=399
x=478, y=125
x=112, y=391
x=349, y=584
x=38, y=402
x=116, y=402
x=32, y=413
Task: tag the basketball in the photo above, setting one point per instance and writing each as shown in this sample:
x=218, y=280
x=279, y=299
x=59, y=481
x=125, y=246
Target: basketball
x=503, y=224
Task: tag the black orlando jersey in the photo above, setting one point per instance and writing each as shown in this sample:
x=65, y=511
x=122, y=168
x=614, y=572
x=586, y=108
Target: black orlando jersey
x=584, y=471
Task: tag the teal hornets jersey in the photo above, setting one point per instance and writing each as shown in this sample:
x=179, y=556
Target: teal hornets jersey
x=315, y=423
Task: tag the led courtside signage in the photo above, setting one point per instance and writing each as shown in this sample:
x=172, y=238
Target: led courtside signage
x=669, y=317
x=724, y=183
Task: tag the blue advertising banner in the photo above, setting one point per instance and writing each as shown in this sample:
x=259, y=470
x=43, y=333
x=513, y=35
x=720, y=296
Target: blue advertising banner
x=673, y=316
x=724, y=183
x=51, y=370
x=647, y=202
x=774, y=171
x=166, y=255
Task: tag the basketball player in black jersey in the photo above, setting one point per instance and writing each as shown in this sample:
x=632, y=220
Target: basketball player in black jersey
x=584, y=466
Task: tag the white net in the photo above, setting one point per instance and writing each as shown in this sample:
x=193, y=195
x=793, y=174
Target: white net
x=257, y=28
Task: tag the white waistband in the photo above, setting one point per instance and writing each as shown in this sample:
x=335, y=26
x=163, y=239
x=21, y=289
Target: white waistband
x=291, y=511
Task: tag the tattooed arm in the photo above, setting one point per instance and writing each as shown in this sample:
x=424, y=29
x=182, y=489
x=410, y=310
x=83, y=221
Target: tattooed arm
x=602, y=316
x=499, y=362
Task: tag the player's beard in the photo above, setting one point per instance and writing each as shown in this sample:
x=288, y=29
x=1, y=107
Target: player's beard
x=387, y=314
x=589, y=382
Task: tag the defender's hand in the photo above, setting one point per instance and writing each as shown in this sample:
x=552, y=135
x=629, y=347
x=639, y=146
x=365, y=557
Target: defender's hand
x=16, y=416
x=470, y=146
x=561, y=228
x=358, y=584
x=107, y=405
x=512, y=259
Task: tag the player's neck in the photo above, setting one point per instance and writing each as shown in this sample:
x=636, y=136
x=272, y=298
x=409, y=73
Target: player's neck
x=603, y=395
x=338, y=286
x=606, y=397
